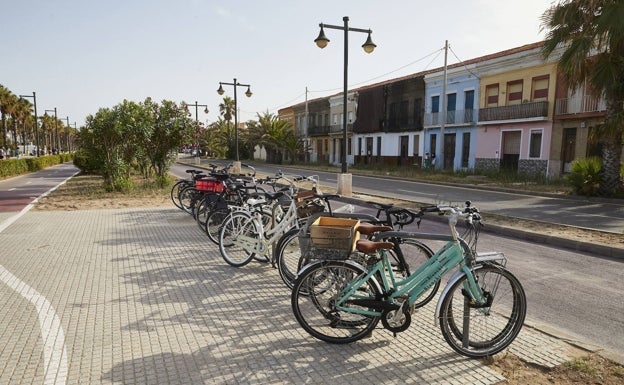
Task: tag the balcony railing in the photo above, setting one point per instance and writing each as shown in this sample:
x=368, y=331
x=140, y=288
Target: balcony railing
x=318, y=130
x=580, y=104
x=518, y=111
x=338, y=127
x=452, y=117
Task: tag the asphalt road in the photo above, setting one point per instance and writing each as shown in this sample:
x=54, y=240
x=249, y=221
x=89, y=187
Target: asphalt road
x=574, y=294
x=603, y=215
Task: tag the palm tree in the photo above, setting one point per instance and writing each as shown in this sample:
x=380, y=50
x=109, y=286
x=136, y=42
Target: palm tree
x=591, y=36
x=278, y=137
x=226, y=110
x=7, y=104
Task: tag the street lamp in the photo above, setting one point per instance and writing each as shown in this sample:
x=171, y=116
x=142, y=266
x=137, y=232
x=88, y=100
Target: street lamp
x=58, y=140
x=34, y=96
x=197, y=127
x=322, y=41
x=248, y=93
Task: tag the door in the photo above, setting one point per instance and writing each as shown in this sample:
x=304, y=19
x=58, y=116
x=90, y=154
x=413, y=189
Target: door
x=449, y=151
x=511, y=150
x=568, y=152
x=403, y=146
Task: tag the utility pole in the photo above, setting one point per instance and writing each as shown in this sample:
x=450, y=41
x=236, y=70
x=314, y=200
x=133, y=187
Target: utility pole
x=440, y=156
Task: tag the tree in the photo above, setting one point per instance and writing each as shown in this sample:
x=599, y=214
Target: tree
x=278, y=137
x=591, y=34
x=8, y=102
x=226, y=110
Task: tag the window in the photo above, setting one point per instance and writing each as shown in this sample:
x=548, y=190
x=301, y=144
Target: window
x=451, y=105
x=514, y=92
x=469, y=106
x=350, y=117
x=435, y=104
x=418, y=113
x=491, y=95
x=326, y=120
x=539, y=88
x=535, y=144
x=403, y=114
x=392, y=116
x=349, y=152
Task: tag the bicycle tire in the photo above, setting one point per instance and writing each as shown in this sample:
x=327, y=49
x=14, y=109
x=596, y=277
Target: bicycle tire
x=491, y=329
x=313, y=302
x=175, y=192
x=209, y=203
x=415, y=253
x=287, y=256
x=237, y=227
x=214, y=222
x=187, y=198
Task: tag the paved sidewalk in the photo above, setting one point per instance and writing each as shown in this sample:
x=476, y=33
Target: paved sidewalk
x=141, y=296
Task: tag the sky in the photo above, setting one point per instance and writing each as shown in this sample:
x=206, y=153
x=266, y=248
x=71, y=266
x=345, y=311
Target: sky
x=80, y=55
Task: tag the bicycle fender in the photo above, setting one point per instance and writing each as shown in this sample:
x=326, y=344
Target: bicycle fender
x=489, y=259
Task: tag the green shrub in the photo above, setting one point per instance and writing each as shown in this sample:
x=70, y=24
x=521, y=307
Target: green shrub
x=584, y=176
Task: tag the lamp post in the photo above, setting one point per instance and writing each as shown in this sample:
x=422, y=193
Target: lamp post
x=248, y=93
x=58, y=140
x=197, y=129
x=322, y=41
x=34, y=96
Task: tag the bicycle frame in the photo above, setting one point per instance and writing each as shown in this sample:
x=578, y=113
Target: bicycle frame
x=260, y=244
x=455, y=253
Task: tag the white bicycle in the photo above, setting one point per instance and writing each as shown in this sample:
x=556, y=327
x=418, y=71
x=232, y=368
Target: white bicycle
x=251, y=232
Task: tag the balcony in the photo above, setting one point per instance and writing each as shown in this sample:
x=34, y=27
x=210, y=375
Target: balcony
x=581, y=104
x=318, y=130
x=452, y=117
x=518, y=111
x=338, y=128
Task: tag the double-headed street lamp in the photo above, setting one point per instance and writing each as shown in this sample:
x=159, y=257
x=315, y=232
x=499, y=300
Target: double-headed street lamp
x=248, y=93
x=34, y=96
x=58, y=140
x=322, y=41
x=197, y=126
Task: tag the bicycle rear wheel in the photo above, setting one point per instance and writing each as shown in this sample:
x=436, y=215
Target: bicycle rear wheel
x=484, y=331
x=236, y=237
x=415, y=253
x=314, y=297
x=288, y=257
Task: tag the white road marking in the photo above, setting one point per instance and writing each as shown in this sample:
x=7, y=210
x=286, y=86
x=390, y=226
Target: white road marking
x=52, y=335
x=416, y=192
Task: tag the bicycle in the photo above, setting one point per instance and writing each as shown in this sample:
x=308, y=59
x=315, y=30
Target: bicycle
x=245, y=235
x=290, y=253
x=480, y=311
x=182, y=184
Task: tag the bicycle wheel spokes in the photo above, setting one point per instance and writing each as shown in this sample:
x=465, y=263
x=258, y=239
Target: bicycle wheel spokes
x=236, y=238
x=213, y=223
x=314, y=297
x=484, y=331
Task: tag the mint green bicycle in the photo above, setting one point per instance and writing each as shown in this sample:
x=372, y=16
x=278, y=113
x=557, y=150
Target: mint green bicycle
x=480, y=311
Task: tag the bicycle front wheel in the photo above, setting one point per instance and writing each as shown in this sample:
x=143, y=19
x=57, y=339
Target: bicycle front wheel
x=314, y=296
x=214, y=222
x=484, y=331
x=237, y=239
